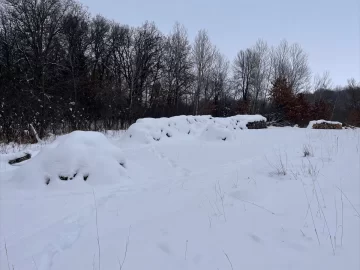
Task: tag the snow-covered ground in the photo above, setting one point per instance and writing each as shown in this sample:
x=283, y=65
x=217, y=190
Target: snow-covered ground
x=186, y=202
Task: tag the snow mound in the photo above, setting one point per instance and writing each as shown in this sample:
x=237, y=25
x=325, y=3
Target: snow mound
x=216, y=132
x=148, y=130
x=311, y=123
x=79, y=157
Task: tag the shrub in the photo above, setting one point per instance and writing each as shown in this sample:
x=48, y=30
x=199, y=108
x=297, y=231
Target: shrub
x=308, y=151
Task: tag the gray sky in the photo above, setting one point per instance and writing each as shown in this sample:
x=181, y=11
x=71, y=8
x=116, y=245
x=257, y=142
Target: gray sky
x=328, y=30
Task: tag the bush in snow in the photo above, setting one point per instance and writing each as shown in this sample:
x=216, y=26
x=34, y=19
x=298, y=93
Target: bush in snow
x=279, y=164
x=307, y=150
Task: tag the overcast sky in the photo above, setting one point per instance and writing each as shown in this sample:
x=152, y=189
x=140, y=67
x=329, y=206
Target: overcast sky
x=328, y=30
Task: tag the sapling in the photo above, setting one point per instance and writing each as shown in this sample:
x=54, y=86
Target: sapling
x=7, y=255
x=232, y=268
x=186, y=247
x=97, y=231
x=357, y=212
x=311, y=213
x=308, y=151
x=121, y=264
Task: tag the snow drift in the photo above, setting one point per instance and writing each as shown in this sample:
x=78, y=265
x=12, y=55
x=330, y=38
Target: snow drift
x=148, y=130
x=81, y=156
x=215, y=132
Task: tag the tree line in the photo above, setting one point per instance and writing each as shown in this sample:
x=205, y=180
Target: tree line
x=63, y=70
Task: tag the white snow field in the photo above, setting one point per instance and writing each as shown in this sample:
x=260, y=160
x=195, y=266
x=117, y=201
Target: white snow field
x=185, y=202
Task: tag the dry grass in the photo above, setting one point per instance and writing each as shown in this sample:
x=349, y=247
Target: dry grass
x=308, y=150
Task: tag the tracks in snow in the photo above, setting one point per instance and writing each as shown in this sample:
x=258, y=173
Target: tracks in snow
x=65, y=231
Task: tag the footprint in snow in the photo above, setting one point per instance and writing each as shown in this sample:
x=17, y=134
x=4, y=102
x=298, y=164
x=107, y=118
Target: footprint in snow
x=239, y=195
x=164, y=247
x=164, y=232
x=255, y=238
x=46, y=259
x=197, y=258
x=297, y=247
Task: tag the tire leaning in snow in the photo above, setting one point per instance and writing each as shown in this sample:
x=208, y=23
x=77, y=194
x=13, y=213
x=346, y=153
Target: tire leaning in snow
x=20, y=159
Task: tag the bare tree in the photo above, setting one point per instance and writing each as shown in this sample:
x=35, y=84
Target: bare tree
x=75, y=44
x=220, y=82
x=322, y=81
x=352, y=84
x=244, y=69
x=291, y=62
x=144, y=64
x=177, y=76
x=261, y=76
x=37, y=25
x=203, y=56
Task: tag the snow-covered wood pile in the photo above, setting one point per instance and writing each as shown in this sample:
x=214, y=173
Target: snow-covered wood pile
x=323, y=124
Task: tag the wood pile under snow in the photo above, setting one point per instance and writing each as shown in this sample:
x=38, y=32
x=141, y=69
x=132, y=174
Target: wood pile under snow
x=148, y=130
x=323, y=124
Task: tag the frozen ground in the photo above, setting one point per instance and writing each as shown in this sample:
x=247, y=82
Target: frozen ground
x=186, y=202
